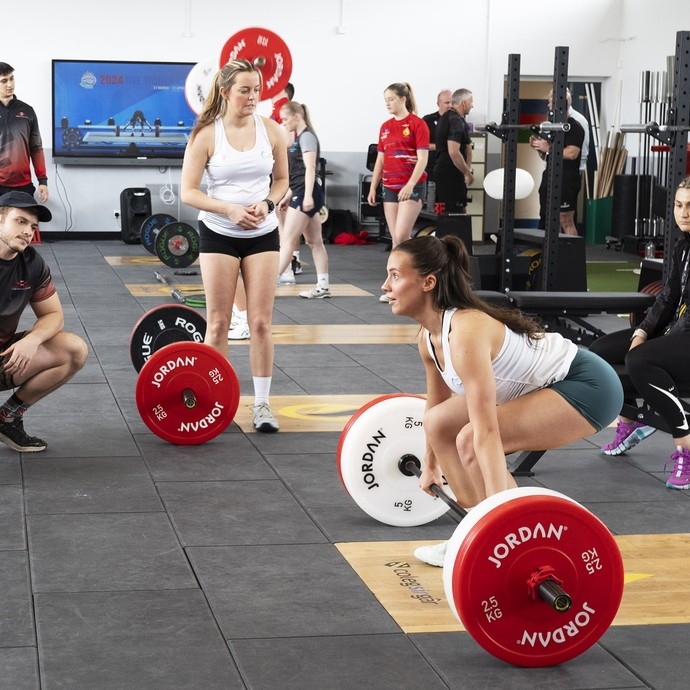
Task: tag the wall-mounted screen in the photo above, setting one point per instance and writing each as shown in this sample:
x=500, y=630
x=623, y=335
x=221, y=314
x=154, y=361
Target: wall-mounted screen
x=120, y=113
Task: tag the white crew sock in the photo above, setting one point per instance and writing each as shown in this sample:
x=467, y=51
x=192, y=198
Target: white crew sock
x=262, y=388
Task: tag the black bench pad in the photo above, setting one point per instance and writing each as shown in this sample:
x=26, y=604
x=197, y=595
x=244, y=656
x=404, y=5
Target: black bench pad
x=581, y=303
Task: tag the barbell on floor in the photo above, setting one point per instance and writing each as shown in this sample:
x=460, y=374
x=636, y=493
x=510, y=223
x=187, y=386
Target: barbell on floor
x=162, y=325
x=186, y=393
x=175, y=243
x=534, y=577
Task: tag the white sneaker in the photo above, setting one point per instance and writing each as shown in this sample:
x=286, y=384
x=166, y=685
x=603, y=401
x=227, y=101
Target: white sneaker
x=287, y=278
x=433, y=555
x=384, y=298
x=316, y=293
x=239, y=330
x=263, y=419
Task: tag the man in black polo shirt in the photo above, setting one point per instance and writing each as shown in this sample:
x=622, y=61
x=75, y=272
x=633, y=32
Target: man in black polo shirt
x=453, y=169
x=43, y=357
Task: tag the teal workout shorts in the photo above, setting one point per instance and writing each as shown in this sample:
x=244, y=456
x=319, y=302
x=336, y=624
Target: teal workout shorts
x=592, y=387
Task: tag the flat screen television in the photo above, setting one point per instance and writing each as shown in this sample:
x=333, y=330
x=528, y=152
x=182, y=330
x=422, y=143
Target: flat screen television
x=120, y=113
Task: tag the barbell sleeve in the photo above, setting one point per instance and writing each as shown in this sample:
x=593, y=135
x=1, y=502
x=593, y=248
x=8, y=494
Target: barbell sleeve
x=647, y=128
x=189, y=398
x=550, y=592
x=542, y=127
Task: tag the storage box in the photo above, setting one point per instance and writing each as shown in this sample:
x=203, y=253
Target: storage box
x=598, y=220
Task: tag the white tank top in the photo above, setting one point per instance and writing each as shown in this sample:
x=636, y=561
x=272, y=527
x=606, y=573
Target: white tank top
x=239, y=177
x=521, y=366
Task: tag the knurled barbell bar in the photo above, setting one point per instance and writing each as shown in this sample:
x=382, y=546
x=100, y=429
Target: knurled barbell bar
x=548, y=589
x=543, y=127
x=534, y=577
x=652, y=127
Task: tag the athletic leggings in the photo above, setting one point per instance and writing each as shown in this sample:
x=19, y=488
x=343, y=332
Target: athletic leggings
x=657, y=369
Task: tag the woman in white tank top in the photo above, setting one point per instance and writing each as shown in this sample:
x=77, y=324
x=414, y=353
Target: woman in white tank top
x=496, y=383
x=244, y=159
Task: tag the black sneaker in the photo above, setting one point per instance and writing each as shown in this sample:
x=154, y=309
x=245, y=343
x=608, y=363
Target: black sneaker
x=12, y=434
x=296, y=266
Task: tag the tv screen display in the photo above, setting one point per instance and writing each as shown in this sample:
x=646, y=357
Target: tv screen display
x=120, y=113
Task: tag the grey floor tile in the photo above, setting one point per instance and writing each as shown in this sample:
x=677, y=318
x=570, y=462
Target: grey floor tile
x=76, y=553
x=230, y=456
x=143, y=640
x=12, y=533
x=10, y=466
x=16, y=613
x=662, y=669
x=237, y=512
x=286, y=591
x=89, y=485
x=365, y=662
x=19, y=669
x=464, y=665
x=88, y=436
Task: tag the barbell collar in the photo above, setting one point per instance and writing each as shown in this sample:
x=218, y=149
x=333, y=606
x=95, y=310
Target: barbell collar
x=410, y=465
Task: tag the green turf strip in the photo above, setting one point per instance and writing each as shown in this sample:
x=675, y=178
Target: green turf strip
x=612, y=276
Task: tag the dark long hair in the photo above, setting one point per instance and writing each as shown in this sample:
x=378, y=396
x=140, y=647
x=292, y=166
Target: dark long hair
x=447, y=259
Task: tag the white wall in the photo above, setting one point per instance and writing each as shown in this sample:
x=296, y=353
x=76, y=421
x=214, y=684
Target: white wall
x=340, y=74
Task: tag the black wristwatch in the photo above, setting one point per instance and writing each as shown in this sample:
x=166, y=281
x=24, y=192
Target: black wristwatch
x=270, y=204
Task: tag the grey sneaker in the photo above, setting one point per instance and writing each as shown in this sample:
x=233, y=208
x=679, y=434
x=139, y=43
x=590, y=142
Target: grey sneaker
x=287, y=278
x=316, y=293
x=264, y=419
x=12, y=434
x=433, y=555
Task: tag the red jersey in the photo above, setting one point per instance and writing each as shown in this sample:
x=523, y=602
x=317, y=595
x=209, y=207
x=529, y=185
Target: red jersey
x=399, y=141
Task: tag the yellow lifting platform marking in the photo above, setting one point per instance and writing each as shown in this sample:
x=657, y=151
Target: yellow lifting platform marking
x=657, y=586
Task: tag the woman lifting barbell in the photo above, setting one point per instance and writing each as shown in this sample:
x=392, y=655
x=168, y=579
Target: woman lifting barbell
x=496, y=382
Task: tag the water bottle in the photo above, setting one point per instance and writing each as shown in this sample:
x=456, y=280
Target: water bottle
x=650, y=250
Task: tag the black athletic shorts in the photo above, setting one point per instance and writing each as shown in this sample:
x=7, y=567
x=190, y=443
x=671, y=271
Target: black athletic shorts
x=6, y=381
x=240, y=247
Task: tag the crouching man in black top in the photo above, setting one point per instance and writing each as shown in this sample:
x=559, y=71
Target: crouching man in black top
x=41, y=358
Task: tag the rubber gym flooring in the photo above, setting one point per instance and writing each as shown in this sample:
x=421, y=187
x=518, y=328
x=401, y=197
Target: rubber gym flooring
x=128, y=562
